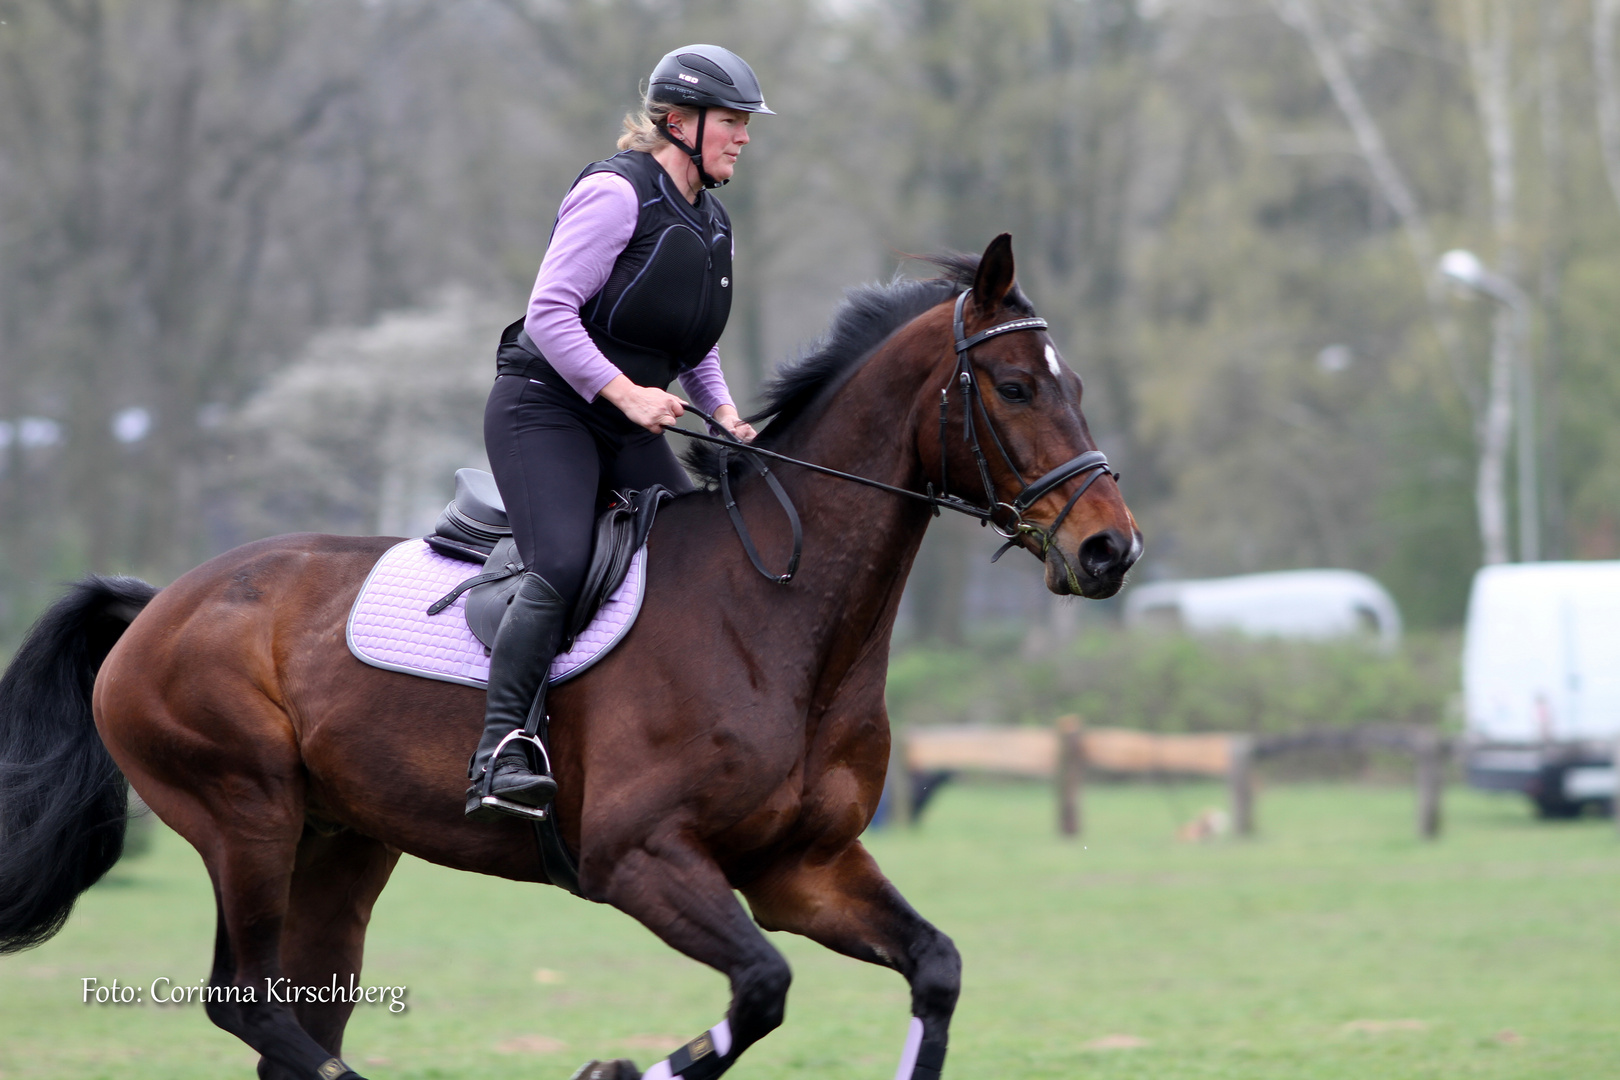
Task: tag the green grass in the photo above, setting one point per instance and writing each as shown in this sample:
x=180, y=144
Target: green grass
x=1161, y=681
x=1498, y=947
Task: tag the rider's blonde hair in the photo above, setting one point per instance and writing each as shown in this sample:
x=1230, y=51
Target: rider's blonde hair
x=641, y=128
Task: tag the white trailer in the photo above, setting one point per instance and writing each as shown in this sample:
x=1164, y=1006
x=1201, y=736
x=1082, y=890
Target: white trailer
x=1315, y=604
x=1541, y=682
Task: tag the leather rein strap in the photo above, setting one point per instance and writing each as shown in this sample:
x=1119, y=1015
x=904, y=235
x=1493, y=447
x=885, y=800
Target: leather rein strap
x=1092, y=461
x=742, y=526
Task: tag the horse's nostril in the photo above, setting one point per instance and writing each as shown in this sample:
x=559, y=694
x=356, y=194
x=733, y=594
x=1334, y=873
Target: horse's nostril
x=1101, y=553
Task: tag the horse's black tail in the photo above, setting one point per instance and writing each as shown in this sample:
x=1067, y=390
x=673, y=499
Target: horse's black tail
x=63, y=803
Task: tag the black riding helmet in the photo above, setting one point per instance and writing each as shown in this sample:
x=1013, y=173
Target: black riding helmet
x=700, y=77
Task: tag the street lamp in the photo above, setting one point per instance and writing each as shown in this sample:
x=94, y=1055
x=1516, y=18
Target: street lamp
x=1465, y=269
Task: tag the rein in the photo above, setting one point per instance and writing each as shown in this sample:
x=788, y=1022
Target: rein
x=1092, y=461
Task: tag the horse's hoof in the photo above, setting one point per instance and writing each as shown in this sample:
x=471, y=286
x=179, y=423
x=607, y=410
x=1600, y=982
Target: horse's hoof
x=621, y=1069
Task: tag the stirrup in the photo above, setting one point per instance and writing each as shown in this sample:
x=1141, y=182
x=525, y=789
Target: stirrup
x=506, y=806
x=490, y=801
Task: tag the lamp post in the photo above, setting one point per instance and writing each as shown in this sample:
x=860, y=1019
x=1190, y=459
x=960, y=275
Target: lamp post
x=1511, y=357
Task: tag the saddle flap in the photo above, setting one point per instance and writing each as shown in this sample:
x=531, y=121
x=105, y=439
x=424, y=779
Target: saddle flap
x=620, y=531
x=486, y=603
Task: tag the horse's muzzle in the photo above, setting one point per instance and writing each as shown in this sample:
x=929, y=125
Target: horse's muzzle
x=1096, y=570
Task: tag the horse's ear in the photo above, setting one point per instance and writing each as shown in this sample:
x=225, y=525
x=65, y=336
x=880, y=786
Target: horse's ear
x=996, y=274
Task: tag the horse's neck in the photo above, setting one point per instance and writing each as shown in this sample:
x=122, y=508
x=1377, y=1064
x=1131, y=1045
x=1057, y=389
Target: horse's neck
x=859, y=542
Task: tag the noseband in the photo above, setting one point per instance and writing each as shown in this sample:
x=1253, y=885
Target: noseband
x=1092, y=461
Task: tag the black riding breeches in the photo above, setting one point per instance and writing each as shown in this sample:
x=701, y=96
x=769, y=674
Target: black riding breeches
x=555, y=458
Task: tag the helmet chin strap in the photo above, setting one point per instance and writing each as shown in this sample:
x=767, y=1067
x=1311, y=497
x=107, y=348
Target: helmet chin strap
x=695, y=152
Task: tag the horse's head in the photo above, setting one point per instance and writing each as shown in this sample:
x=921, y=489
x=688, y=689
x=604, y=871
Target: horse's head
x=1012, y=414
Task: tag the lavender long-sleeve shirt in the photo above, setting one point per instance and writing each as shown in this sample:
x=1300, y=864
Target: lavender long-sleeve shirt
x=594, y=224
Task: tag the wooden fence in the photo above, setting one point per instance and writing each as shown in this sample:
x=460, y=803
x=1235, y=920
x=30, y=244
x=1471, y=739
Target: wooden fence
x=1067, y=752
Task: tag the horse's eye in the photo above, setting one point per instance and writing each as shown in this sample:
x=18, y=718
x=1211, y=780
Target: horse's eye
x=1017, y=393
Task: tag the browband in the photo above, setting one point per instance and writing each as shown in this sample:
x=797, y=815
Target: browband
x=964, y=344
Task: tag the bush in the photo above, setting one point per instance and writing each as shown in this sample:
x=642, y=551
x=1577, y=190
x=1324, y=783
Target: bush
x=1173, y=682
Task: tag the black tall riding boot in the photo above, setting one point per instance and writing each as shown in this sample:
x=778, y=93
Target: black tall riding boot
x=529, y=634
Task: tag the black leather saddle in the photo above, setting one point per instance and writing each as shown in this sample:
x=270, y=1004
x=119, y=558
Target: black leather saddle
x=474, y=522
x=474, y=528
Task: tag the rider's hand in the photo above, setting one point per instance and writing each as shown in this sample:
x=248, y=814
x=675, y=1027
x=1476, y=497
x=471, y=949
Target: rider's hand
x=648, y=406
x=734, y=423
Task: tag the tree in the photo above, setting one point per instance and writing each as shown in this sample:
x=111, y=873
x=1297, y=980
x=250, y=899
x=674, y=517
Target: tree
x=363, y=431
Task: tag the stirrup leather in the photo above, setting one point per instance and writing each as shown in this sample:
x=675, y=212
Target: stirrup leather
x=506, y=806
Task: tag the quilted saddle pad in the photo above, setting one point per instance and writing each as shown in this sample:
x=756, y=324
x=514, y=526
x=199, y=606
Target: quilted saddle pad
x=389, y=626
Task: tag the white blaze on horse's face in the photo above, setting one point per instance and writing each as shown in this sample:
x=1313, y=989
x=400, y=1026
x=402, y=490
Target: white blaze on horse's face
x=1053, y=362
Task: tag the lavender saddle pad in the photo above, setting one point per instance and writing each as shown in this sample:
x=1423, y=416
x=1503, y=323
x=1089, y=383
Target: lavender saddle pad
x=389, y=626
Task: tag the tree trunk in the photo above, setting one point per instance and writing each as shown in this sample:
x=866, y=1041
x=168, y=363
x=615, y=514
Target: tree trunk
x=1553, y=32
x=1387, y=175
x=1495, y=432
x=1490, y=28
x=1493, y=410
x=1605, y=14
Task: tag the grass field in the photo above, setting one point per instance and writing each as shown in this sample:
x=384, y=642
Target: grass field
x=1334, y=945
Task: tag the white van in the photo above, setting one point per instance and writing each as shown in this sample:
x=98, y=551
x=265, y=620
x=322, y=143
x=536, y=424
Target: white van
x=1541, y=682
x=1291, y=603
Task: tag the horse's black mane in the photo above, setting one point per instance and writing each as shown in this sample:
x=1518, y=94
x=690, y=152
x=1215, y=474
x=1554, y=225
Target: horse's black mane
x=867, y=317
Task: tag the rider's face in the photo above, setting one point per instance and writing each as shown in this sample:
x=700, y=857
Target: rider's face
x=724, y=136
x=725, y=133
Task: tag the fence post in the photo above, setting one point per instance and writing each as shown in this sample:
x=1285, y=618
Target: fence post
x=1614, y=800
x=899, y=780
x=1429, y=751
x=1240, y=782
x=1070, y=775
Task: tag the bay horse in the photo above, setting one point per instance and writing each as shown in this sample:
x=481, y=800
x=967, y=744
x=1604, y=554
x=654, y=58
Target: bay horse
x=736, y=739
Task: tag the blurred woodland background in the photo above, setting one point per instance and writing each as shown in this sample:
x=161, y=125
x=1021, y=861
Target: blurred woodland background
x=254, y=256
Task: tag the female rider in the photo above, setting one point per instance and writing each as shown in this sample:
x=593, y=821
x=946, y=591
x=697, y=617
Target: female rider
x=634, y=291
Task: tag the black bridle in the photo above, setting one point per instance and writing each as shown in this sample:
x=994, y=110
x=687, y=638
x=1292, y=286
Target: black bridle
x=1092, y=461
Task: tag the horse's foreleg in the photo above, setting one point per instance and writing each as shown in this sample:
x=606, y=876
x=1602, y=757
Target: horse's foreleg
x=681, y=895
x=846, y=904
x=335, y=882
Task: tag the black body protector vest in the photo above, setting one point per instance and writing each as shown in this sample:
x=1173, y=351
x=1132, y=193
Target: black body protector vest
x=668, y=296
